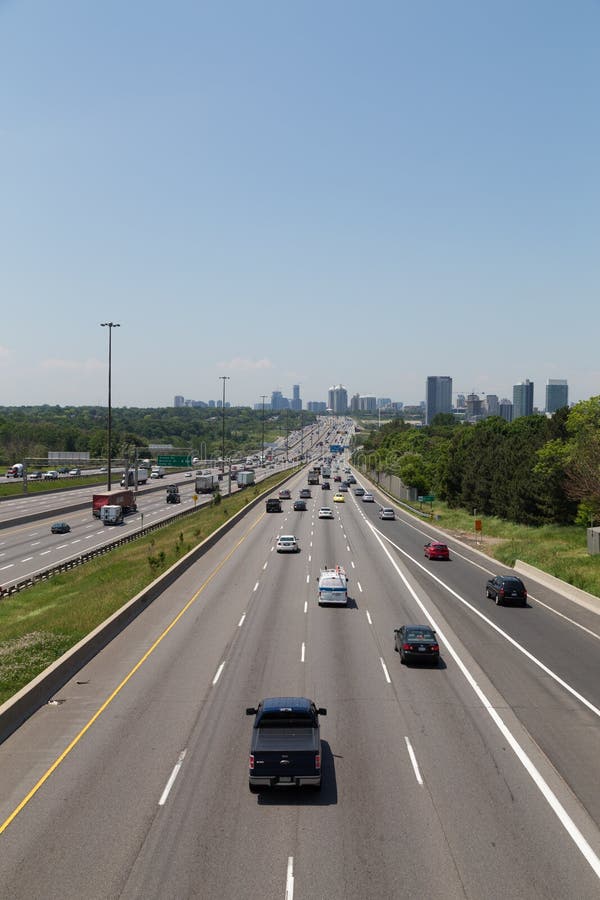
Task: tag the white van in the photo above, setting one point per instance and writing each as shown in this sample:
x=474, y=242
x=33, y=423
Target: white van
x=111, y=515
x=333, y=586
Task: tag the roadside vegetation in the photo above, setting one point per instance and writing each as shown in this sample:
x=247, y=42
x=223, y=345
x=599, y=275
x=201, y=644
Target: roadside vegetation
x=31, y=432
x=534, y=483
x=39, y=624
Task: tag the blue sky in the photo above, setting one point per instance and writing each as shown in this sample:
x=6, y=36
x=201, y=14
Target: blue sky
x=283, y=192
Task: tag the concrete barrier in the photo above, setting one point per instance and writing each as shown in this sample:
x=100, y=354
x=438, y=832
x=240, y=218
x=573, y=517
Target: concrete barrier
x=590, y=601
x=31, y=697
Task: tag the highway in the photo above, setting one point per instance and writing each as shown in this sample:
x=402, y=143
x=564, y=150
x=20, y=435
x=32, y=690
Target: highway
x=477, y=779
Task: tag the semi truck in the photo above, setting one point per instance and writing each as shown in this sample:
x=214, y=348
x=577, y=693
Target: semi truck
x=157, y=472
x=206, y=484
x=128, y=478
x=245, y=479
x=118, y=497
x=313, y=476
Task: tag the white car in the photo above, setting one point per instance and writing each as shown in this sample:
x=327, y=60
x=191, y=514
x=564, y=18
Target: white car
x=325, y=512
x=287, y=543
x=386, y=512
x=154, y=475
x=368, y=498
x=75, y=472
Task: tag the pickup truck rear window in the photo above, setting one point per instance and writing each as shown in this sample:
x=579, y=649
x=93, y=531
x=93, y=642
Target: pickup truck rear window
x=279, y=720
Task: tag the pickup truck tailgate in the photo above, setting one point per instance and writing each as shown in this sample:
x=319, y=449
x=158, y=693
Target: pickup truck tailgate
x=286, y=754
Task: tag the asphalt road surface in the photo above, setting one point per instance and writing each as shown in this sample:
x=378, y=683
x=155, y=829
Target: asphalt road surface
x=477, y=779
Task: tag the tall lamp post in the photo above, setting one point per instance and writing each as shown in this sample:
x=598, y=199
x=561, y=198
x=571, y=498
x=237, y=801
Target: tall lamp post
x=263, y=397
x=223, y=378
x=110, y=326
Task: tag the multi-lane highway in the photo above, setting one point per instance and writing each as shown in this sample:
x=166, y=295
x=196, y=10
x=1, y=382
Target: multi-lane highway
x=477, y=779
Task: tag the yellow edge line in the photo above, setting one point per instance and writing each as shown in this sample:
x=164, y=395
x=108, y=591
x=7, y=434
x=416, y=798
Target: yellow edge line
x=119, y=687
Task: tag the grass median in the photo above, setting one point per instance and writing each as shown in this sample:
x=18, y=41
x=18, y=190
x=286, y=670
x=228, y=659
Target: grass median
x=41, y=623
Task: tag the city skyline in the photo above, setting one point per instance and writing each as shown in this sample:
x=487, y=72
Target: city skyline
x=438, y=399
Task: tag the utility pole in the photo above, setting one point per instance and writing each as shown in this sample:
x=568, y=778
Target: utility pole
x=223, y=378
x=110, y=326
x=263, y=398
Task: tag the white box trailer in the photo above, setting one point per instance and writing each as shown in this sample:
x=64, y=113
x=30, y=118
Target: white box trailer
x=333, y=586
x=111, y=514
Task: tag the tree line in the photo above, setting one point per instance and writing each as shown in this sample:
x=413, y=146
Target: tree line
x=31, y=432
x=532, y=471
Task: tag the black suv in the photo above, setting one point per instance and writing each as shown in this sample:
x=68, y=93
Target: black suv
x=506, y=588
x=273, y=505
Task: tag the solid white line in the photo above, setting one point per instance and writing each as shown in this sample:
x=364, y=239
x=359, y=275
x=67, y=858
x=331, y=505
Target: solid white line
x=305, y=606
x=413, y=760
x=218, y=673
x=256, y=586
x=562, y=815
x=289, y=880
x=493, y=625
x=241, y=622
x=172, y=778
x=358, y=584
x=385, y=671
x=302, y=652
x=369, y=620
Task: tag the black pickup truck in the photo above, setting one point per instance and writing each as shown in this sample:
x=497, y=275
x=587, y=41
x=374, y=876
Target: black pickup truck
x=286, y=745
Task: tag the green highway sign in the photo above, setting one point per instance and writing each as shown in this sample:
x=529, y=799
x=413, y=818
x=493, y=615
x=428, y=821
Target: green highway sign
x=428, y=498
x=174, y=460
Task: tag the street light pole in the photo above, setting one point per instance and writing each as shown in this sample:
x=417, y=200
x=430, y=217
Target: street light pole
x=223, y=378
x=110, y=326
x=263, y=398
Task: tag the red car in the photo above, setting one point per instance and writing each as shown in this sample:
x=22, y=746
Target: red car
x=435, y=550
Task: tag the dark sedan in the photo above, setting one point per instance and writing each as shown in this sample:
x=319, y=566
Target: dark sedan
x=416, y=643
x=325, y=486
x=300, y=505
x=436, y=550
x=60, y=528
x=506, y=589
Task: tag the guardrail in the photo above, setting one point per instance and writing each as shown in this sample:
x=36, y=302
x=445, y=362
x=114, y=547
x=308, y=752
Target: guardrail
x=20, y=584
x=31, y=697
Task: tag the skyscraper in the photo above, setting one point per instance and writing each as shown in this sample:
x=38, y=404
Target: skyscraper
x=506, y=409
x=557, y=394
x=338, y=399
x=523, y=399
x=438, y=396
x=296, y=402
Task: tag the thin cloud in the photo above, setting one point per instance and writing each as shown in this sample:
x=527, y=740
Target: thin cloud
x=4, y=354
x=72, y=365
x=240, y=364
